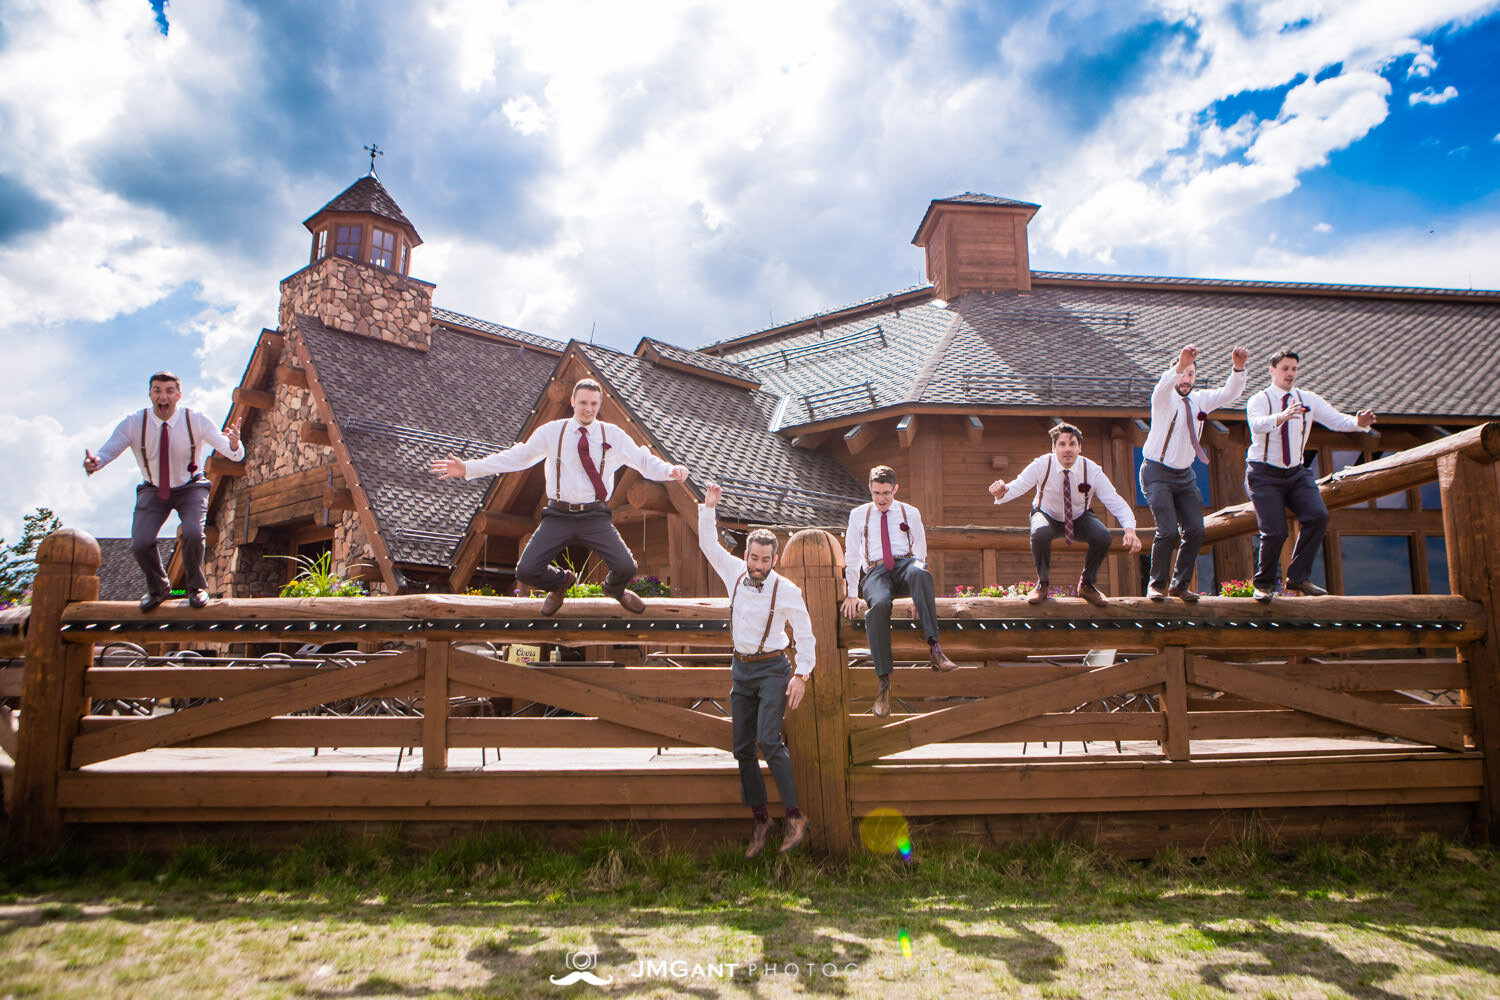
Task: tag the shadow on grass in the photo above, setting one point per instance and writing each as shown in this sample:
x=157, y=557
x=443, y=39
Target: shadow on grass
x=520, y=897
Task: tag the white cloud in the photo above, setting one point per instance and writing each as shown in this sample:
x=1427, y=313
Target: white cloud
x=1467, y=256
x=525, y=115
x=1422, y=64
x=1185, y=175
x=44, y=469
x=1430, y=96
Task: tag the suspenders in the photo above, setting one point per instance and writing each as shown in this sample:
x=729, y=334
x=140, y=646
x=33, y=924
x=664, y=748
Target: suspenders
x=187, y=418
x=1302, y=428
x=1036, y=504
x=770, y=615
x=557, y=471
x=905, y=526
x=1172, y=426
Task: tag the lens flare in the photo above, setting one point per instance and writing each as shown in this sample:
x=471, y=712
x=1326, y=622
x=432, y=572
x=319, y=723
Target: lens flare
x=905, y=940
x=883, y=831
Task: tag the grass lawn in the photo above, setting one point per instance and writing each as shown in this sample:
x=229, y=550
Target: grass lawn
x=501, y=916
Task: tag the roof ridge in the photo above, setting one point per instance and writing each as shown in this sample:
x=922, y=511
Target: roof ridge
x=1316, y=287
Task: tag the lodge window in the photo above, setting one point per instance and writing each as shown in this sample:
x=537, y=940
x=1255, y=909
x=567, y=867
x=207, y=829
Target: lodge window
x=347, y=244
x=1376, y=564
x=322, y=250
x=1437, y=564
x=383, y=248
x=405, y=257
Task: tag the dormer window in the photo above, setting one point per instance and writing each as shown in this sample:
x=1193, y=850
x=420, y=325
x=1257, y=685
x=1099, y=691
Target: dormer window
x=322, y=250
x=348, y=242
x=383, y=248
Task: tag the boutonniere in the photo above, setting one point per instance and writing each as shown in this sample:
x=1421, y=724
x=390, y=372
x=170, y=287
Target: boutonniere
x=904, y=526
x=1083, y=488
x=607, y=446
x=1202, y=415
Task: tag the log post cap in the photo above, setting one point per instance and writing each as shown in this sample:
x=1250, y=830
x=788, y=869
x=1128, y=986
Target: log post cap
x=72, y=547
x=812, y=549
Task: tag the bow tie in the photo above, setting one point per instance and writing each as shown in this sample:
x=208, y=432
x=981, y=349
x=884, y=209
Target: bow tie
x=755, y=586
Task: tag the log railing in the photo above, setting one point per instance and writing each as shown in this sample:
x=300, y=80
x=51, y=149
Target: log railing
x=1206, y=697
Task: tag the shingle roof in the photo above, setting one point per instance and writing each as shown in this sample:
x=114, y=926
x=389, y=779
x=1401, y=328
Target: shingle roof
x=450, y=318
x=1091, y=343
x=367, y=195
x=974, y=198
x=399, y=408
x=720, y=433
x=120, y=578
x=672, y=354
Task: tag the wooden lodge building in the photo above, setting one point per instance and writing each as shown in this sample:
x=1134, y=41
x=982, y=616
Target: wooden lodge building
x=365, y=381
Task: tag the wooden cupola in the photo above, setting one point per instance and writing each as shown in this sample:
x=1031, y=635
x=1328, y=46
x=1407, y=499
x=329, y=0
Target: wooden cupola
x=976, y=243
x=364, y=224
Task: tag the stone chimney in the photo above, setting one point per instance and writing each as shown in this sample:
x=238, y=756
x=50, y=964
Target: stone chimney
x=357, y=279
x=976, y=243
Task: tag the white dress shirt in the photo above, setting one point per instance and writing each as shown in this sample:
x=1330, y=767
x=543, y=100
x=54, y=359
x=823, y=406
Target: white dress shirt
x=862, y=549
x=575, y=486
x=1084, y=470
x=1175, y=449
x=206, y=434
x=1265, y=435
x=752, y=603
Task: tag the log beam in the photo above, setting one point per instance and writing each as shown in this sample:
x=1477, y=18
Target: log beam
x=291, y=375
x=255, y=399
x=647, y=495
x=336, y=498
x=858, y=437
x=498, y=525
x=315, y=432
x=906, y=430
x=218, y=465
x=974, y=429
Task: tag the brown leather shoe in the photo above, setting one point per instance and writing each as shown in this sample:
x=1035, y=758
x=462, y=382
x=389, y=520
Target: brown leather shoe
x=939, y=660
x=1263, y=596
x=1306, y=588
x=198, y=598
x=796, y=832
x=1185, y=594
x=1156, y=593
x=758, y=839
x=631, y=601
x=882, y=707
x=1091, y=593
x=1039, y=592
x=554, y=598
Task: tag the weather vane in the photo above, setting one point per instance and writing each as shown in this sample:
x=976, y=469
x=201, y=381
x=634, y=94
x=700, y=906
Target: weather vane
x=374, y=151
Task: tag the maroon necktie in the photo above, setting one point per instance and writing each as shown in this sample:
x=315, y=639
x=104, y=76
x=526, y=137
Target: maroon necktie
x=1067, y=508
x=1286, y=435
x=163, y=454
x=1192, y=431
x=588, y=463
x=886, y=556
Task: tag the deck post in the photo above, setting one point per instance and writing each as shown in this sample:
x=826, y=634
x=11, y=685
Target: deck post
x=51, y=688
x=1471, y=524
x=818, y=731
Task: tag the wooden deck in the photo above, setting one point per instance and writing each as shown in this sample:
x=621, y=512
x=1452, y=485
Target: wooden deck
x=1306, y=717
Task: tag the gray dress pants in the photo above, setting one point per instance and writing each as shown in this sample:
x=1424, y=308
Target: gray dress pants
x=757, y=702
x=190, y=501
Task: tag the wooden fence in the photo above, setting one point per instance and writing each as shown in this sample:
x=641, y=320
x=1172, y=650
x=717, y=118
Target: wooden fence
x=1304, y=717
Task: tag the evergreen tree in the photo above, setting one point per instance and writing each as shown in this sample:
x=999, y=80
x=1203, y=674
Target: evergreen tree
x=18, y=561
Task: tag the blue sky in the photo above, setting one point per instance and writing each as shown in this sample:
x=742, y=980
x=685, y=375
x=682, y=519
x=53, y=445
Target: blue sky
x=687, y=170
